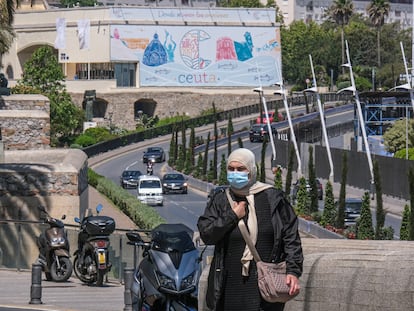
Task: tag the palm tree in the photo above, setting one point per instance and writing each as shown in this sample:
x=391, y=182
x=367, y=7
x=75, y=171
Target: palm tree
x=377, y=10
x=7, y=9
x=340, y=12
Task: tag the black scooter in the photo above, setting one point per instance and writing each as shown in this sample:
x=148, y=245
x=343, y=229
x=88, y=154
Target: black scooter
x=54, y=249
x=92, y=257
x=167, y=277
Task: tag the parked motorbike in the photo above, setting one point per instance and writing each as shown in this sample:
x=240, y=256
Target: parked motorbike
x=91, y=262
x=150, y=168
x=54, y=249
x=168, y=274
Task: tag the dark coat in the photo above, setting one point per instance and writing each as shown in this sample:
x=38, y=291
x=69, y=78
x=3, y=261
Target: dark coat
x=219, y=220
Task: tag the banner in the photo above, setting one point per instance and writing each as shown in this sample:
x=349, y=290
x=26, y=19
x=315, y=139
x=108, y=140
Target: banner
x=60, y=41
x=84, y=33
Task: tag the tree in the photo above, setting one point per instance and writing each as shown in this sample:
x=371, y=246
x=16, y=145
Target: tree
x=230, y=130
x=7, y=9
x=288, y=181
x=183, y=140
x=43, y=74
x=172, y=155
x=262, y=162
x=340, y=220
x=377, y=11
x=73, y=3
x=405, y=224
x=340, y=12
x=210, y=173
x=329, y=211
x=395, y=136
x=205, y=162
x=239, y=142
x=191, y=146
x=303, y=198
x=380, y=213
x=199, y=166
x=365, y=230
x=223, y=171
x=215, y=162
x=278, y=182
x=312, y=182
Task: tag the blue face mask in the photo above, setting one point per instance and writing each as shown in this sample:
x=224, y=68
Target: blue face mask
x=238, y=180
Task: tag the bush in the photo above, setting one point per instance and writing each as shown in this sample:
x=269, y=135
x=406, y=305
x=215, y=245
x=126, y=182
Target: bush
x=85, y=140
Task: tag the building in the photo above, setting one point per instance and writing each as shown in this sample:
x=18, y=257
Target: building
x=132, y=46
x=314, y=10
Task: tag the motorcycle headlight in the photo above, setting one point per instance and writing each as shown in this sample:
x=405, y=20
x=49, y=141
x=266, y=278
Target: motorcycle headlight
x=187, y=282
x=166, y=282
x=57, y=241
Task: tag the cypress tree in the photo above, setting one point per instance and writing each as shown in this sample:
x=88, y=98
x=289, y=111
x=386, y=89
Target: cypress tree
x=230, y=130
x=205, y=162
x=340, y=220
x=262, y=163
x=180, y=159
x=380, y=213
x=303, y=198
x=211, y=170
x=312, y=183
x=188, y=167
x=191, y=146
x=411, y=187
x=365, y=230
x=240, y=142
x=183, y=140
x=172, y=156
x=199, y=167
x=176, y=144
x=278, y=183
x=329, y=211
x=223, y=171
x=405, y=224
x=288, y=181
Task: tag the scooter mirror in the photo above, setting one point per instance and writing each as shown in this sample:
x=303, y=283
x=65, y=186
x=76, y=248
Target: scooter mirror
x=63, y=217
x=134, y=236
x=99, y=208
x=77, y=219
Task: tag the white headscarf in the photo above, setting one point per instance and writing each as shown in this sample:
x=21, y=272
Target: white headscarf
x=247, y=158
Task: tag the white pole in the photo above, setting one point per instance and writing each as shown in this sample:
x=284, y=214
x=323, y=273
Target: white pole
x=292, y=132
x=322, y=116
x=361, y=119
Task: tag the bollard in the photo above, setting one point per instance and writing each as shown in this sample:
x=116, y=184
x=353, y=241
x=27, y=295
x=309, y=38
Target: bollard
x=36, y=288
x=128, y=277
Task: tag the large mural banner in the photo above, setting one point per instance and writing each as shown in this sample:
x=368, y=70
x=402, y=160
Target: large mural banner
x=200, y=56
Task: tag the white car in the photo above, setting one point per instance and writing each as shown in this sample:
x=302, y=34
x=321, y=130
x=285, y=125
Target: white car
x=149, y=190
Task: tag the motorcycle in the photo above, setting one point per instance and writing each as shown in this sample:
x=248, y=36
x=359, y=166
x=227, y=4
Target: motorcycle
x=150, y=168
x=54, y=249
x=91, y=262
x=168, y=274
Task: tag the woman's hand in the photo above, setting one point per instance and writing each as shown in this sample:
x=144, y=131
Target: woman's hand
x=293, y=282
x=239, y=208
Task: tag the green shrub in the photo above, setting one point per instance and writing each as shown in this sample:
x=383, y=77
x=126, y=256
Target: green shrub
x=85, y=140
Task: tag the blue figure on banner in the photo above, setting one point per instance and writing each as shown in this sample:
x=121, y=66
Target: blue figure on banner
x=169, y=45
x=155, y=54
x=244, y=49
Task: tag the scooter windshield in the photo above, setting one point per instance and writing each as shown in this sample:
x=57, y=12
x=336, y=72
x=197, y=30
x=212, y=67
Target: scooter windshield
x=172, y=237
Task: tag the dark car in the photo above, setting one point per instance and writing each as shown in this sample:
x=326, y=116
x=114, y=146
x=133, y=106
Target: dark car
x=174, y=182
x=258, y=132
x=308, y=188
x=154, y=154
x=129, y=178
x=215, y=190
x=352, y=210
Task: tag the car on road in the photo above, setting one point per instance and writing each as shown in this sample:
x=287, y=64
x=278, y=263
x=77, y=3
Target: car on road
x=149, y=190
x=129, y=178
x=258, y=132
x=308, y=188
x=154, y=154
x=270, y=115
x=352, y=210
x=174, y=182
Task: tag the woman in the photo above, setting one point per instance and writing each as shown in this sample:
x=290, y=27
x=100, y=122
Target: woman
x=273, y=226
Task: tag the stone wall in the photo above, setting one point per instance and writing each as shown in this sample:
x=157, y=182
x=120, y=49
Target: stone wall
x=25, y=122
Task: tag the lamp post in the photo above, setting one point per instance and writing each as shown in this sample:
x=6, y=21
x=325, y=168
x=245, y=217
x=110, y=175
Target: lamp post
x=282, y=92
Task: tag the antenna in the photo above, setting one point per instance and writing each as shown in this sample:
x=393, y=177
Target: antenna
x=314, y=89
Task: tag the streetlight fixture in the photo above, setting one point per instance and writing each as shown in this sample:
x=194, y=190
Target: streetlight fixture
x=353, y=89
x=282, y=92
x=314, y=89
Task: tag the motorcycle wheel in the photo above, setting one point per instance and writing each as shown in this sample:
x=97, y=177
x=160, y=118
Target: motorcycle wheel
x=63, y=273
x=79, y=274
x=100, y=277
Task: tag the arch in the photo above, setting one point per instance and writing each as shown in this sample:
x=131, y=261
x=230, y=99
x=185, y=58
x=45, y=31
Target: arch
x=10, y=72
x=99, y=107
x=25, y=53
x=144, y=106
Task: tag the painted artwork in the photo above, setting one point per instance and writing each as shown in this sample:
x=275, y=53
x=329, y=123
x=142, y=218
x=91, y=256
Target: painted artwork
x=190, y=56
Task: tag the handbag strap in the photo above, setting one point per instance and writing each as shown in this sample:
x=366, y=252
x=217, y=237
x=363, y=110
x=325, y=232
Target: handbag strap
x=244, y=232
